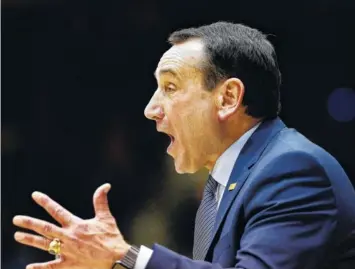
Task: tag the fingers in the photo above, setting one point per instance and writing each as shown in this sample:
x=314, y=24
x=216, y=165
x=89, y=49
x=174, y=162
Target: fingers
x=39, y=226
x=100, y=201
x=32, y=240
x=58, y=212
x=55, y=264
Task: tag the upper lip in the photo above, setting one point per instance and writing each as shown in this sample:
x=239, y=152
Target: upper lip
x=165, y=132
x=160, y=130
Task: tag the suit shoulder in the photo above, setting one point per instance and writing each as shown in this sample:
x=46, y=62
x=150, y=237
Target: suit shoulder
x=293, y=144
x=291, y=153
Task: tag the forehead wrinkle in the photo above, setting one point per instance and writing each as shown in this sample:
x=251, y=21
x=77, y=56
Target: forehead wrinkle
x=182, y=61
x=189, y=52
x=176, y=67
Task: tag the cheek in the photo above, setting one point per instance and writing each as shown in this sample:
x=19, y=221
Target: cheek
x=191, y=119
x=198, y=122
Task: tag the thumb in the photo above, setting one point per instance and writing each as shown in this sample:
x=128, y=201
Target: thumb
x=100, y=201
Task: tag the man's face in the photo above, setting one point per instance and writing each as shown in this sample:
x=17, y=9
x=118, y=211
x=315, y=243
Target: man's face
x=183, y=108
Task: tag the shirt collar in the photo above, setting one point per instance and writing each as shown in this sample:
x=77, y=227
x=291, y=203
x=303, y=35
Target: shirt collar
x=225, y=163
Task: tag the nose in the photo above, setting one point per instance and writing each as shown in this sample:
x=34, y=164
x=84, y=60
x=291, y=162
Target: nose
x=154, y=110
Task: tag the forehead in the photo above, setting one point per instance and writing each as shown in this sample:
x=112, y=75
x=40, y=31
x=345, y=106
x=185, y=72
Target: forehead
x=183, y=57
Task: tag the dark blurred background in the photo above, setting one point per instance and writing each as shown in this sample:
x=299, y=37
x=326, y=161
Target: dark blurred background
x=76, y=76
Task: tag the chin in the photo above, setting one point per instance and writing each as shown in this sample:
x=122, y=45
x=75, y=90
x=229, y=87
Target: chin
x=183, y=168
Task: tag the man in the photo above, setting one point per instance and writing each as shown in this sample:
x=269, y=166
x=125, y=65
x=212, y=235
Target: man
x=273, y=199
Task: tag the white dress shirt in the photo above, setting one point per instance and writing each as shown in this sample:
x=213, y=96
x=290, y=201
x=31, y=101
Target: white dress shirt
x=221, y=173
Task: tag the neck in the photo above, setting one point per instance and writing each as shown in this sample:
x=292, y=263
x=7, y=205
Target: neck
x=229, y=135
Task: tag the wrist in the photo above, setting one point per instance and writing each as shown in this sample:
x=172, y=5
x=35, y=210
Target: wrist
x=122, y=251
x=128, y=260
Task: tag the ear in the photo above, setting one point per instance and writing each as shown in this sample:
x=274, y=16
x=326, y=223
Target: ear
x=229, y=97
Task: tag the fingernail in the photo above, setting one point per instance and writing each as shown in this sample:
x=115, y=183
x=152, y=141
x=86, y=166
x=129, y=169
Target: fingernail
x=107, y=187
x=16, y=220
x=36, y=194
x=19, y=236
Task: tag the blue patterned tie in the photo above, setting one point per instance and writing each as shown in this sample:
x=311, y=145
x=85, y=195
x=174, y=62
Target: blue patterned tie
x=205, y=218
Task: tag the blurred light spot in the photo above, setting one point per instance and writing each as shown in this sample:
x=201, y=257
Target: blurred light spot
x=341, y=104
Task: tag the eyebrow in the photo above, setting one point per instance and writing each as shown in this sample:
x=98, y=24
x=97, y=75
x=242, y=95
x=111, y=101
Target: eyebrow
x=166, y=70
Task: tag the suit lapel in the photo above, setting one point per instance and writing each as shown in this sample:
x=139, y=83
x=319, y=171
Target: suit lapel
x=247, y=158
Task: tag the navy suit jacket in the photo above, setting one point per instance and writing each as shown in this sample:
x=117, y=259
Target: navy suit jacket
x=293, y=208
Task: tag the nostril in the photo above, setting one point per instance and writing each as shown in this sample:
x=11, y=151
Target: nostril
x=155, y=118
x=157, y=113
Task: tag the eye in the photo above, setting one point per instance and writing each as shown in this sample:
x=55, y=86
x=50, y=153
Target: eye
x=169, y=88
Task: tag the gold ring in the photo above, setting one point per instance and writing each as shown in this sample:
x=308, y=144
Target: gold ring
x=54, y=247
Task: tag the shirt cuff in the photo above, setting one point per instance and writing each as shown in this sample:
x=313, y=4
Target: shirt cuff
x=143, y=257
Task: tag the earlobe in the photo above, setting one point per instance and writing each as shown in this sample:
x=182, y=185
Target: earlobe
x=223, y=114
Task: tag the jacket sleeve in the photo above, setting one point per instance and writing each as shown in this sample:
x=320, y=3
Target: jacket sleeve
x=164, y=258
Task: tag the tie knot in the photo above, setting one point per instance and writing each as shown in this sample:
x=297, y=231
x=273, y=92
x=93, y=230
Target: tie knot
x=211, y=185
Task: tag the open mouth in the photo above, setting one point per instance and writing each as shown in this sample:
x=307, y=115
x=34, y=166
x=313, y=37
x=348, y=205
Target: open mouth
x=172, y=140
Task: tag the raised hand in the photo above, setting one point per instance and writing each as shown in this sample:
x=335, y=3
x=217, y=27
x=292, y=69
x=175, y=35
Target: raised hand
x=91, y=244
